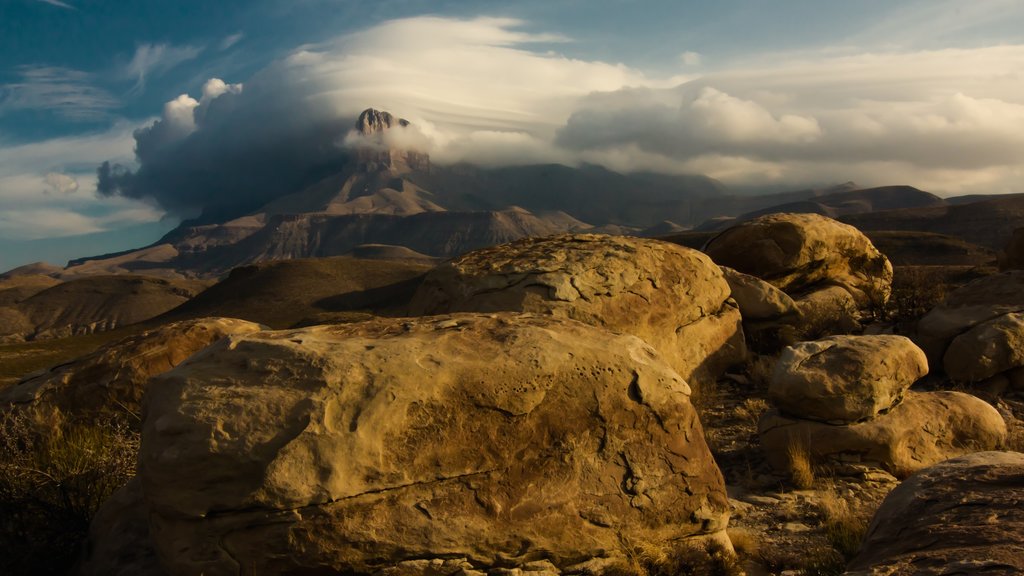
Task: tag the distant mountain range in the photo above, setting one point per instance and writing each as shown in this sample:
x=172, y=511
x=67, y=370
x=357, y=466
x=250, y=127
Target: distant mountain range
x=396, y=197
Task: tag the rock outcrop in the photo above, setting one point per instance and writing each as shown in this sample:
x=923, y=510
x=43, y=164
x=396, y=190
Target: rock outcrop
x=758, y=300
x=111, y=381
x=845, y=379
x=975, y=332
x=800, y=252
x=402, y=446
x=962, y=516
x=675, y=298
x=845, y=399
x=925, y=428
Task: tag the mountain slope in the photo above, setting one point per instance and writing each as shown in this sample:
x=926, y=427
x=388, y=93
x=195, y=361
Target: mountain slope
x=284, y=293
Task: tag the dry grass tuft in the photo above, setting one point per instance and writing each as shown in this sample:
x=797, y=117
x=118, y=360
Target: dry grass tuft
x=744, y=541
x=708, y=559
x=845, y=526
x=801, y=469
x=751, y=410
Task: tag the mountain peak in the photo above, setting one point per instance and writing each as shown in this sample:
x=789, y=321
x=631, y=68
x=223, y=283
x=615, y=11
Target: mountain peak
x=373, y=121
x=385, y=145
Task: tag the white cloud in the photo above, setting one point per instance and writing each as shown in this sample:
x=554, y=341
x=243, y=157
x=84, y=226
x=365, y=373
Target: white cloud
x=481, y=91
x=156, y=59
x=63, y=91
x=58, y=183
x=48, y=188
x=689, y=58
x=948, y=120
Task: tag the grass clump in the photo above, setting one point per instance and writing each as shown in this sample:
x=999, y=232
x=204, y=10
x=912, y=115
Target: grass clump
x=706, y=559
x=845, y=526
x=801, y=469
x=51, y=486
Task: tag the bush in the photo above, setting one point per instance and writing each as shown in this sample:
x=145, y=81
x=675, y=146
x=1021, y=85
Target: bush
x=52, y=485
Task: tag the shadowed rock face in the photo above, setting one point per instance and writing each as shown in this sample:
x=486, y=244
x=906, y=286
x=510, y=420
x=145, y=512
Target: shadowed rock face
x=802, y=252
x=675, y=298
x=494, y=439
x=962, y=516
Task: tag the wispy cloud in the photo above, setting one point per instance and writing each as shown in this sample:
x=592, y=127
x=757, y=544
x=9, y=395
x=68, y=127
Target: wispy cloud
x=66, y=92
x=231, y=40
x=58, y=4
x=155, y=59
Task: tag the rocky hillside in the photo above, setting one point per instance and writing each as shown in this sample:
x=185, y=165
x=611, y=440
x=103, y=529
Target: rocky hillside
x=573, y=405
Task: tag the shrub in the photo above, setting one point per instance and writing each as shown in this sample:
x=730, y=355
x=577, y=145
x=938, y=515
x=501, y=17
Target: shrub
x=845, y=527
x=52, y=485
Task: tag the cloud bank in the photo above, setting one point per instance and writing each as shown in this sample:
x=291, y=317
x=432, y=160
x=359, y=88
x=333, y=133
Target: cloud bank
x=485, y=91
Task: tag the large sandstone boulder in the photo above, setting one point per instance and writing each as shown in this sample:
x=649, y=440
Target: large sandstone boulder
x=844, y=379
x=923, y=429
x=408, y=445
x=797, y=252
x=112, y=380
x=974, y=303
x=673, y=297
x=962, y=516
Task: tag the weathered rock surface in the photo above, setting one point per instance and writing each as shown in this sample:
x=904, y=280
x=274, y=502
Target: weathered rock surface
x=112, y=380
x=675, y=298
x=798, y=251
x=924, y=429
x=757, y=299
x=987, y=349
x=974, y=303
x=401, y=444
x=827, y=310
x=962, y=516
x=843, y=379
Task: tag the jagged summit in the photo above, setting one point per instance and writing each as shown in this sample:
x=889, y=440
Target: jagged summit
x=373, y=121
x=380, y=150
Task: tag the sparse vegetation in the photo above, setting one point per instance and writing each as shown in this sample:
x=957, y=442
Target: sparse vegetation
x=709, y=559
x=844, y=525
x=751, y=409
x=801, y=469
x=52, y=485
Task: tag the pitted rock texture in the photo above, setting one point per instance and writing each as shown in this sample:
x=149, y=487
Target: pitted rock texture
x=961, y=516
x=673, y=297
x=501, y=439
x=797, y=252
x=112, y=380
x=844, y=379
x=923, y=429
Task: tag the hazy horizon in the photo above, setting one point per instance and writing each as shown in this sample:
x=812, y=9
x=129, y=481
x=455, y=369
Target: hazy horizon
x=186, y=101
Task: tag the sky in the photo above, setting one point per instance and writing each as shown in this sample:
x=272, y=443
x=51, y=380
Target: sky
x=119, y=119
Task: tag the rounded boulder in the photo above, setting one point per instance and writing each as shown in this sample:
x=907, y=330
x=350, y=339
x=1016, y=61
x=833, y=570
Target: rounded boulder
x=843, y=379
x=497, y=440
x=675, y=298
x=796, y=252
